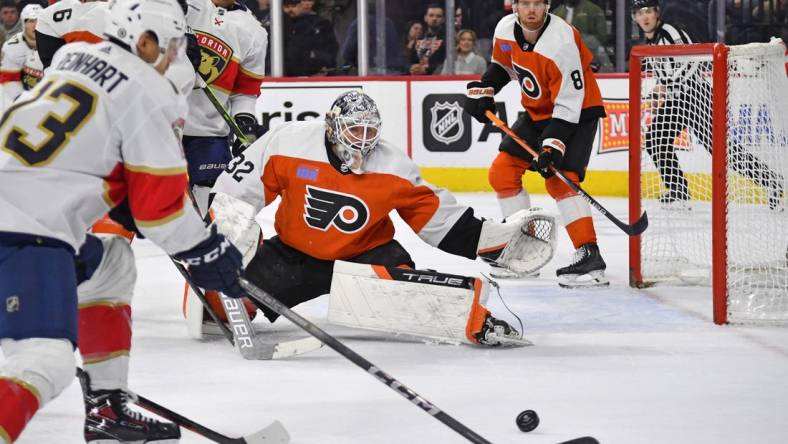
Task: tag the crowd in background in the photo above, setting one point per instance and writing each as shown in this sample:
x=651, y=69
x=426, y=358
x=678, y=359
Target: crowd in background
x=415, y=27
x=320, y=36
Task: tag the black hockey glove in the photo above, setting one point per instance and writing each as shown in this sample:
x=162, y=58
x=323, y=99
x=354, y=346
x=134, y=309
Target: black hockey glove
x=214, y=264
x=250, y=128
x=552, y=153
x=479, y=98
x=193, y=51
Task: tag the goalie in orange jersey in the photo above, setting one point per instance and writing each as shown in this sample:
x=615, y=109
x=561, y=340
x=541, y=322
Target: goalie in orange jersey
x=563, y=105
x=338, y=183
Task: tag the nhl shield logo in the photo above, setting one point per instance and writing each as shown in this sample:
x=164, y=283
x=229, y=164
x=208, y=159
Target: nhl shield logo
x=215, y=55
x=446, y=123
x=445, y=127
x=12, y=304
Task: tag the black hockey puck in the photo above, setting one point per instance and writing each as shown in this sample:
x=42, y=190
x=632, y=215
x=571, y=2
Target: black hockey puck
x=527, y=420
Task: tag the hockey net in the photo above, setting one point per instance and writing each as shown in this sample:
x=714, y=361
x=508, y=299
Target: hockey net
x=709, y=165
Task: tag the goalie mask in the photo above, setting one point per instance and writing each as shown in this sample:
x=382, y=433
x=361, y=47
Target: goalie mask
x=353, y=128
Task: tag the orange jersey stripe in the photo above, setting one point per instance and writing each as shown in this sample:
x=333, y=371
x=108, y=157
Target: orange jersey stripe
x=81, y=36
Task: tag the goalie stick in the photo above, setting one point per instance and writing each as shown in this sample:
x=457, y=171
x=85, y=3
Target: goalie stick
x=631, y=229
x=274, y=433
x=242, y=335
x=261, y=296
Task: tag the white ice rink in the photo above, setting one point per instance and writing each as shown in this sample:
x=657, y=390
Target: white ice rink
x=623, y=365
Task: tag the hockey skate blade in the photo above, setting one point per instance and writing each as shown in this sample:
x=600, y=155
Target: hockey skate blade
x=275, y=433
x=514, y=342
x=588, y=280
x=582, y=440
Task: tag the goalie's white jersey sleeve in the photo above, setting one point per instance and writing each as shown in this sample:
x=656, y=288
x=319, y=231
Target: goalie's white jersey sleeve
x=328, y=214
x=233, y=47
x=98, y=128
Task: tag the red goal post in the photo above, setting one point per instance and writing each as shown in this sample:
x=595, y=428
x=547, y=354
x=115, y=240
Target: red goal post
x=706, y=63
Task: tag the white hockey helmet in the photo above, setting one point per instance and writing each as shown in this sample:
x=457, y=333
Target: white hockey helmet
x=129, y=19
x=353, y=126
x=30, y=12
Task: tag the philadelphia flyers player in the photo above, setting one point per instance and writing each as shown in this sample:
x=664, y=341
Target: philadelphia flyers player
x=563, y=105
x=338, y=183
x=101, y=126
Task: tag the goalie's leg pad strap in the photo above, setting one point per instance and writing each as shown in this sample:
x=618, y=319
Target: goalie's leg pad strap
x=416, y=302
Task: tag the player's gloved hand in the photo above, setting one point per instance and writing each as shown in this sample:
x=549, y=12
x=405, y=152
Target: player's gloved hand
x=214, y=264
x=251, y=129
x=552, y=153
x=479, y=98
x=193, y=51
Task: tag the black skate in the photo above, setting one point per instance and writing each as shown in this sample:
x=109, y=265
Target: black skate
x=587, y=269
x=496, y=332
x=674, y=196
x=109, y=420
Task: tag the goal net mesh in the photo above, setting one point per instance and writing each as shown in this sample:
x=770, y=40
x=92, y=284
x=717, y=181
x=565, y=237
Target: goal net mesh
x=676, y=180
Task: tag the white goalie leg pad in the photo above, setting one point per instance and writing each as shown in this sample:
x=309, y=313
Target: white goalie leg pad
x=235, y=219
x=422, y=303
x=110, y=289
x=48, y=365
x=524, y=243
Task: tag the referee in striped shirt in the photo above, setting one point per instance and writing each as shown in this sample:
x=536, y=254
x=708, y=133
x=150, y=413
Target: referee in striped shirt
x=682, y=99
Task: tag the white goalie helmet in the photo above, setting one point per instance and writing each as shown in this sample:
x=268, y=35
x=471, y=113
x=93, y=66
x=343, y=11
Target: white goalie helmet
x=129, y=19
x=353, y=127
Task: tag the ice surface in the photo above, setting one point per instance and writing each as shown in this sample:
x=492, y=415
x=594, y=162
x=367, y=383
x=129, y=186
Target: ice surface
x=623, y=365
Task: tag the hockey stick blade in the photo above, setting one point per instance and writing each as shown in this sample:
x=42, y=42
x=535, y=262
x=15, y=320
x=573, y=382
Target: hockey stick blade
x=250, y=344
x=262, y=297
x=274, y=433
x=632, y=230
x=582, y=440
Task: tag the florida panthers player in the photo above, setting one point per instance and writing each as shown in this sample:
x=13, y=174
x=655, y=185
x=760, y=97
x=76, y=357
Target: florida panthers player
x=338, y=183
x=563, y=106
x=232, y=47
x=18, y=68
x=111, y=121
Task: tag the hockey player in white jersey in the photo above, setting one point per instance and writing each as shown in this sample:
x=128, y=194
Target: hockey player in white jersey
x=231, y=62
x=69, y=21
x=338, y=183
x=18, y=71
x=101, y=126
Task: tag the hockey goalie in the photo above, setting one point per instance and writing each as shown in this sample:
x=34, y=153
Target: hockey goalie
x=338, y=182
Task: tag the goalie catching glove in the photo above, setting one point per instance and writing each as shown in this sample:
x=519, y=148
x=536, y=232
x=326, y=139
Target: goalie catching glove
x=214, y=264
x=524, y=242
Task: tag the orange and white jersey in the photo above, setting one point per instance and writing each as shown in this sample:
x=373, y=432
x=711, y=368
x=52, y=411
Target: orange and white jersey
x=74, y=21
x=233, y=46
x=330, y=215
x=554, y=74
x=14, y=53
x=99, y=127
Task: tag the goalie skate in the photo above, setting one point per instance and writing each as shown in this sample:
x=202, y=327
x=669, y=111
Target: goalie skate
x=587, y=269
x=495, y=333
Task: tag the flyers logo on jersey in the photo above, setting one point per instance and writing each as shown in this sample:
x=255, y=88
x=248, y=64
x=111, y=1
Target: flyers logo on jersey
x=325, y=208
x=215, y=55
x=528, y=83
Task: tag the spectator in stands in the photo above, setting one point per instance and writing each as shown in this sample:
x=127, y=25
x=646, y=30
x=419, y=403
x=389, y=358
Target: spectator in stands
x=393, y=53
x=589, y=19
x=482, y=16
x=9, y=15
x=414, y=31
x=466, y=60
x=430, y=52
x=309, y=43
x=263, y=14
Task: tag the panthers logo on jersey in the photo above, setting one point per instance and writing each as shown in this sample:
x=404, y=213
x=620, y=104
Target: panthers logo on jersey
x=325, y=208
x=215, y=55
